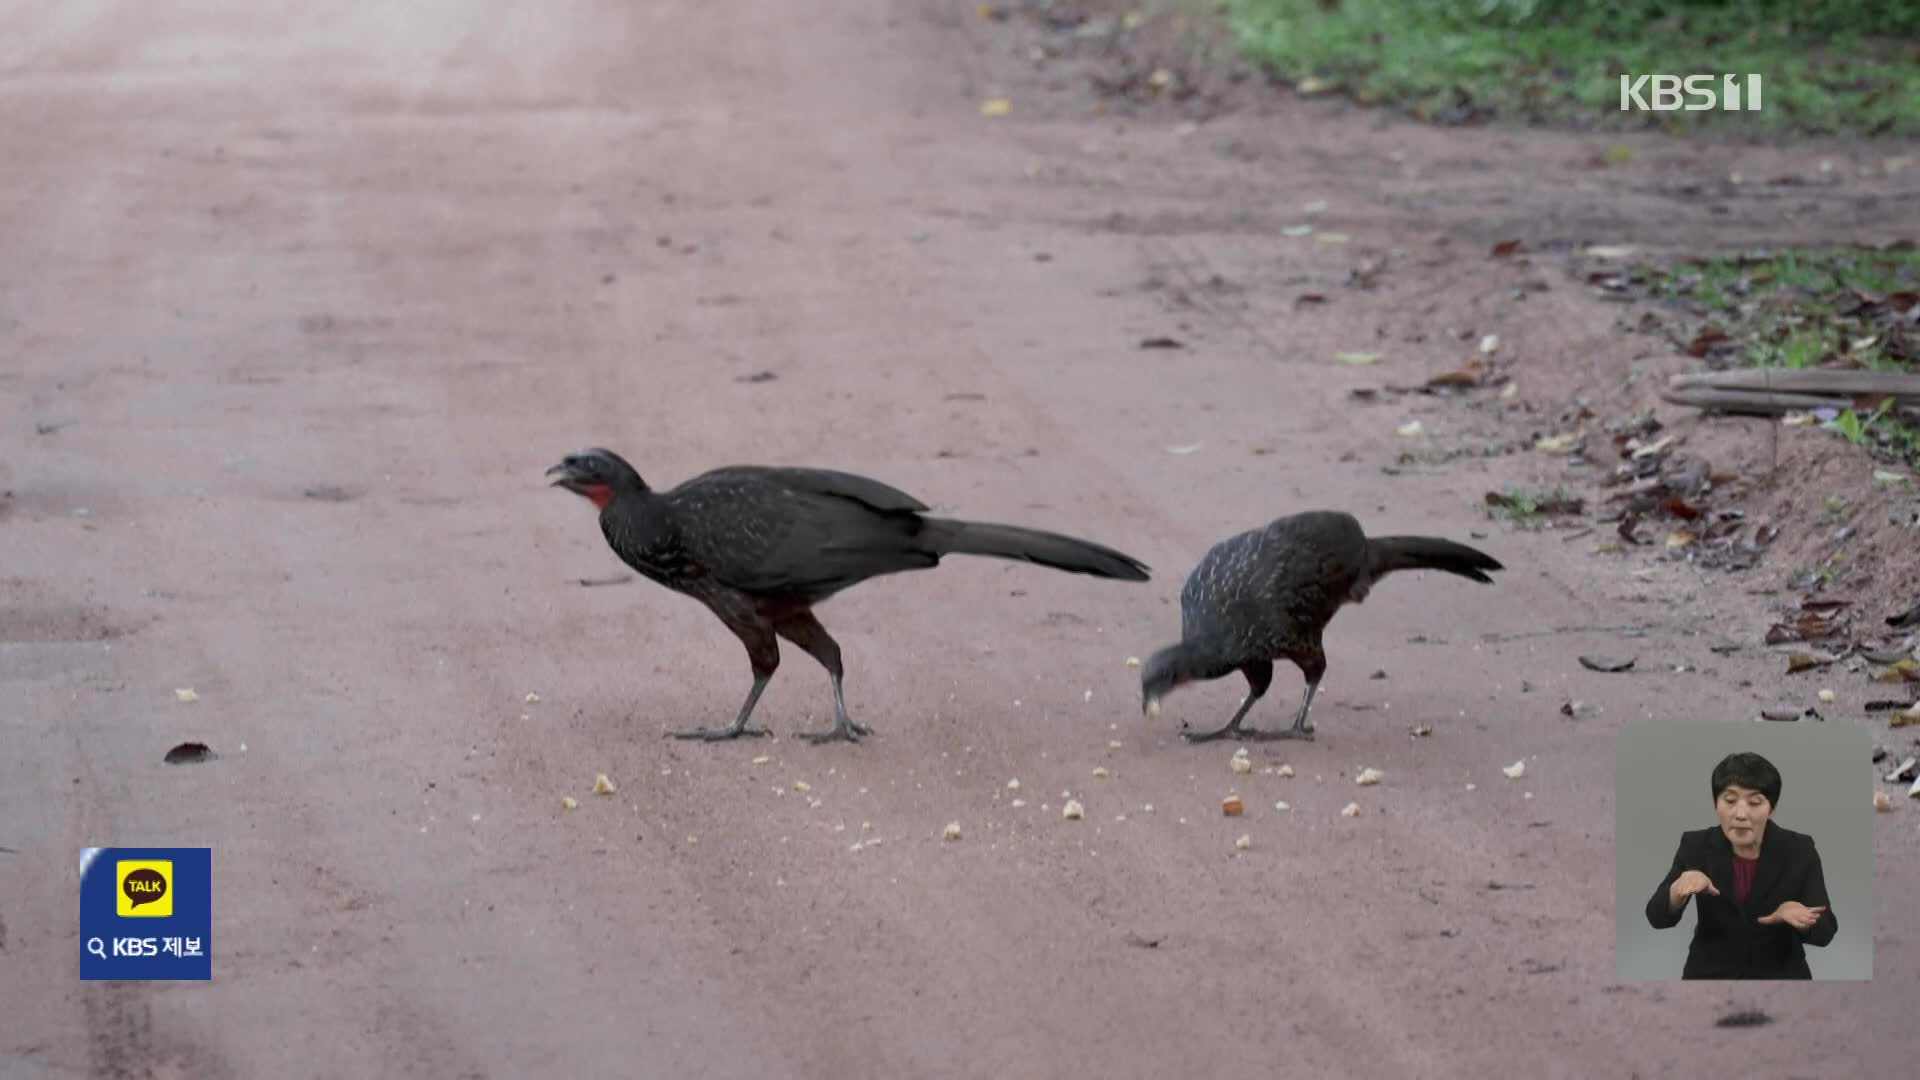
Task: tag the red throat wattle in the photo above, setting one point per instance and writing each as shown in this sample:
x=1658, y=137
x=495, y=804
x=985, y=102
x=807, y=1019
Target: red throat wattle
x=598, y=494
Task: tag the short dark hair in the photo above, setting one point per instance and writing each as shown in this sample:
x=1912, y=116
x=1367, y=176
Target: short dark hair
x=1749, y=771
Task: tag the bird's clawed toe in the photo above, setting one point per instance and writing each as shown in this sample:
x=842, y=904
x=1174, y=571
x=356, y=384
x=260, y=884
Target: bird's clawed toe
x=818, y=738
x=718, y=734
x=1228, y=732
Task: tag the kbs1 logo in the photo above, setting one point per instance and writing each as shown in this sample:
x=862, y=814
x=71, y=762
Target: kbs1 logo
x=146, y=913
x=1693, y=93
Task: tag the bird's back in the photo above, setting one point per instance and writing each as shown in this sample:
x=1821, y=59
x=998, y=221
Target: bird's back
x=799, y=532
x=1263, y=588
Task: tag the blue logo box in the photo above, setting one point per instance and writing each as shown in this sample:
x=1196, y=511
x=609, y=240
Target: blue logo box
x=146, y=913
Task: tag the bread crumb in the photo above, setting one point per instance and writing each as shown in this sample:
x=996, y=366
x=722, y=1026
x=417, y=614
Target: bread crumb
x=952, y=831
x=1352, y=809
x=1516, y=770
x=1369, y=777
x=1073, y=811
x=1232, y=806
x=602, y=785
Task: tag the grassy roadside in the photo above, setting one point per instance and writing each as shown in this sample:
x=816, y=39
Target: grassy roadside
x=1543, y=61
x=1834, y=308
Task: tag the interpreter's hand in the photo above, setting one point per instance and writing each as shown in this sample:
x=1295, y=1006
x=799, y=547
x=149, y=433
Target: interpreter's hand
x=1794, y=914
x=1687, y=884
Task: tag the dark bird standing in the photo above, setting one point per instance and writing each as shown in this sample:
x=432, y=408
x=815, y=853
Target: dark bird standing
x=1268, y=594
x=761, y=546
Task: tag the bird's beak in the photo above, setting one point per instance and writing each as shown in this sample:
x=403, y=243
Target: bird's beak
x=566, y=480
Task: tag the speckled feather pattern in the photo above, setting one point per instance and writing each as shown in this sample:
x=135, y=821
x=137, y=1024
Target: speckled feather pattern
x=1267, y=593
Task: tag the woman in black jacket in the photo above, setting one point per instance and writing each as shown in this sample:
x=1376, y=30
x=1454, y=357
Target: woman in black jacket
x=1760, y=892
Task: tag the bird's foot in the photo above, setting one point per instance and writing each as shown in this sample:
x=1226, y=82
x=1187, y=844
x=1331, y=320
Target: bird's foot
x=719, y=734
x=1231, y=731
x=847, y=732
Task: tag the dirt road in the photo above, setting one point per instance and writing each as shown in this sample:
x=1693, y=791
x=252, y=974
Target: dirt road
x=297, y=306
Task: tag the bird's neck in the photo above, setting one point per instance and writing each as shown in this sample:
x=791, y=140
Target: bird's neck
x=632, y=517
x=1195, y=660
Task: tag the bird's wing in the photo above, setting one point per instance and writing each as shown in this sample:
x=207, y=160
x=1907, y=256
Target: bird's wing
x=830, y=483
x=794, y=531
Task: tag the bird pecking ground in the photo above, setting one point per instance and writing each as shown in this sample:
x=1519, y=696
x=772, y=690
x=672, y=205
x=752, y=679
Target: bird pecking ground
x=298, y=310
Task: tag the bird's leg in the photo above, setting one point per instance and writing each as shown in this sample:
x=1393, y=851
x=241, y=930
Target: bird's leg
x=1313, y=666
x=1301, y=729
x=763, y=652
x=805, y=631
x=1259, y=678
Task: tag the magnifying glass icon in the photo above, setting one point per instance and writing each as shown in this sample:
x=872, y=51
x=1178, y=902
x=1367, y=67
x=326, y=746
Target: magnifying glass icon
x=97, y=947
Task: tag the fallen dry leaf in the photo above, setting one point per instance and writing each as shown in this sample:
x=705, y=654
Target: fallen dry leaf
x=1611, y=251
x=1472, y=373
x=1705, y=341
x=1680, y=538
x=1805, y=661
x=1331, y=238
x=1680, y=508
x=1162, y=342
x=1505, y=248
x=1409, y=430
x=1557, y=444
x=1183, y=450
x=1296, y=231
x=1356, y=359
x=1308, y=298
x=1905, y=671
x=1311, y=85
x=996, y=107
x=1607, y=664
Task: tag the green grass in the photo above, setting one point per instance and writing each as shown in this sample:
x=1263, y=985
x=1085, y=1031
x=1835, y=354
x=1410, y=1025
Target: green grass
x=1810, y=308
x=1530, y=509
x=1542, y=61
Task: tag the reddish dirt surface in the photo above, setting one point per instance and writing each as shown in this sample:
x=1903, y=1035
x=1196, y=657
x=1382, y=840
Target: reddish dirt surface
x=298, y=308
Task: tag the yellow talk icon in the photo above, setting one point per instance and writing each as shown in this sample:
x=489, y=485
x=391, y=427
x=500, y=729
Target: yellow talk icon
x=144, y=888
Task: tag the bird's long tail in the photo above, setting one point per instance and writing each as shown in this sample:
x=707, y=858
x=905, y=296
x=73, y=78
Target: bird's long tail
x=945, y=536
x=1389, y=553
